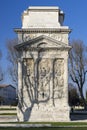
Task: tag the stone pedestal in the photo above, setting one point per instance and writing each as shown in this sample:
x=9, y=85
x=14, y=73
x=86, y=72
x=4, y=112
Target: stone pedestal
x=43, y=72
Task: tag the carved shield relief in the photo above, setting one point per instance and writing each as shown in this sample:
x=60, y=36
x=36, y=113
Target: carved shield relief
x=44, y=79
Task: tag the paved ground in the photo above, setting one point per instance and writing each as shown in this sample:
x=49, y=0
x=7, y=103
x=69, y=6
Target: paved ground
x=6, y=118
x=76, y=116
x=8, y=110
x=25, y=125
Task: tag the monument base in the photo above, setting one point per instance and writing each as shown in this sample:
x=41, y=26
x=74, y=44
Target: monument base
x=44, y=114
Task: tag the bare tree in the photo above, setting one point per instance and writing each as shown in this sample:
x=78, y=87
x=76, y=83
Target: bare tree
x=1, y=72
x=12, y=58
x=73, y=95
x=78, y=65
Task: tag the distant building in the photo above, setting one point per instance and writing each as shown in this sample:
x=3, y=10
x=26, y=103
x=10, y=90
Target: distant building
x=7, y=94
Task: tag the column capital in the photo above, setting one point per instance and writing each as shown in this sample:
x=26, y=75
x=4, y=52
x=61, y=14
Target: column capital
x=53, y=59
x=20, y=59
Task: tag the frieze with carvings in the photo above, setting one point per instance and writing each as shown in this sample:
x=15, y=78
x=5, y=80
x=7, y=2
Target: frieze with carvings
x=57, y=36
x=27, y=36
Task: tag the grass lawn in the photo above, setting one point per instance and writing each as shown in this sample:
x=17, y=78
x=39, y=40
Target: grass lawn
x=54, y=124
x=44, y=128
x=8, y=114
x=7, y=109
x=61, y=126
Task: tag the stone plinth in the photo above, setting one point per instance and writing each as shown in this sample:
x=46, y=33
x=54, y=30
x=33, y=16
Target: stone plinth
x=42, y=17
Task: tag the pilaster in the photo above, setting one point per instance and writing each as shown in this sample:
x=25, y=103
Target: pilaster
x=20, y=83
x=36, y=78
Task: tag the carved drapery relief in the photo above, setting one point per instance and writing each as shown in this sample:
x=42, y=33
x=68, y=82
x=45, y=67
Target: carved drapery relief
x=58, y=78
x=28, y=77
x=44, y=79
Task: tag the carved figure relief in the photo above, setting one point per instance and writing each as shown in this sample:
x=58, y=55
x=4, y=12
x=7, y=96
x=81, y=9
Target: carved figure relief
x=28, y=72
x=44, y=79
x=58, y=78
x=26, y=37
x=56, y=36
x=29, y=36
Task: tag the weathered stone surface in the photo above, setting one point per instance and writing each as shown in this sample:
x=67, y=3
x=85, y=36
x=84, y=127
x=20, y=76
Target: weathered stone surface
x=43, y=68
x=41, y=17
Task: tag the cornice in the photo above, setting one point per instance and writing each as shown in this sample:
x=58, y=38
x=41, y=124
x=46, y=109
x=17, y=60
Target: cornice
x=25, y=48
x=28, y=30
x=43, y=8
x=27, y=44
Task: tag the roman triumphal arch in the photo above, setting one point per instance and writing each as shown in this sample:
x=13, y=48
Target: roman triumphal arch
x=43, y=66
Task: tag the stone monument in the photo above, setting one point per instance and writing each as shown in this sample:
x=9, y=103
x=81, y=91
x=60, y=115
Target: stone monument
x=43, y=66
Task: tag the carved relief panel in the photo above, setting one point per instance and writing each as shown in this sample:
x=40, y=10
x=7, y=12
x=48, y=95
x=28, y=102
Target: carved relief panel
x=44, y=79
x=58, y=78
x=28, y=78
x=57, y=36
x=45, y=76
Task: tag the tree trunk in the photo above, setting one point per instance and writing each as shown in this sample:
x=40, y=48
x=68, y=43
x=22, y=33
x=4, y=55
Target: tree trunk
x=83, y=99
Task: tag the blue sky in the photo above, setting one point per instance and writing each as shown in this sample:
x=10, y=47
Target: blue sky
x=10, y=18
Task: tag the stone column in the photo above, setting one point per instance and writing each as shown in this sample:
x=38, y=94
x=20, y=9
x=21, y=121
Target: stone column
x=20, y=85
x=65, y=100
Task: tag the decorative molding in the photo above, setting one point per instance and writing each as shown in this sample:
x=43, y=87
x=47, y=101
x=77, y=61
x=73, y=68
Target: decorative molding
x=58, y=30
x=40, y=39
